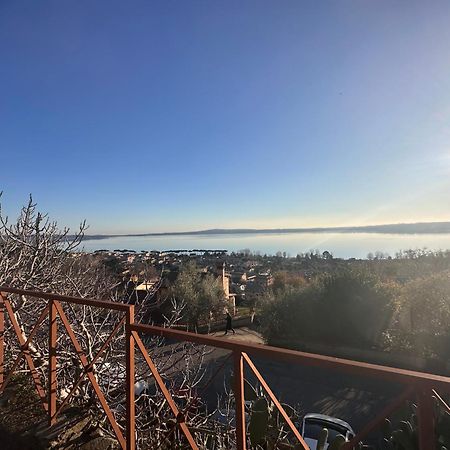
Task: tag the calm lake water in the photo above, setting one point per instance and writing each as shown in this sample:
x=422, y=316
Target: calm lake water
x=343, y=245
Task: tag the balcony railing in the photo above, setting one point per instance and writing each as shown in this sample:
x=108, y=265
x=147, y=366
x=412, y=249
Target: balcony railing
x=424, y=389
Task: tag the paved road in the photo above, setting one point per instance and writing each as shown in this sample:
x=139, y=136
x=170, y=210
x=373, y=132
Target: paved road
x=355, y=399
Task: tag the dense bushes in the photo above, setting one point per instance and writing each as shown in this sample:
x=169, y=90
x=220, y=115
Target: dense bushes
x=346, y=308
x=361, y=310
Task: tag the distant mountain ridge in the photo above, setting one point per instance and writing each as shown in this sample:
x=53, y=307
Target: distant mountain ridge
x=397, y=228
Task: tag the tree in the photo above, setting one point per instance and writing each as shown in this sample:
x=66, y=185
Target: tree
x=422, y=321
x=36, y=254
x=200, y=294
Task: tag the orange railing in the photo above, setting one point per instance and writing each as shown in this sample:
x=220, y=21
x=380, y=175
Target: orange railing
x=420, y=387
x=52, y=310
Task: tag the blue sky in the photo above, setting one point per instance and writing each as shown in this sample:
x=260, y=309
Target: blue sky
x=178, y=115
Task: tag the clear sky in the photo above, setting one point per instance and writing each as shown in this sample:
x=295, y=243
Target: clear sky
x=177, y=115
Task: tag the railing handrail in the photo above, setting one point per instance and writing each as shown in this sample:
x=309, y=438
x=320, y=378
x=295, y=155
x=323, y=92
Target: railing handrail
x=356, y=367
x=68, y=299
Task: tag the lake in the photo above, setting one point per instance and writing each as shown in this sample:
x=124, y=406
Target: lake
x=343, y=245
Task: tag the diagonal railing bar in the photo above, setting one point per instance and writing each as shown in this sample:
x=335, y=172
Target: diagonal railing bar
x=24, y=344
x=188, y=406
x=275, y=401
x=380, y=418
x=441, y=401
x=107, y=342
x=180, y=417
x=41, y=318
x=208, y=383
x=95, y=385
x=90, y=365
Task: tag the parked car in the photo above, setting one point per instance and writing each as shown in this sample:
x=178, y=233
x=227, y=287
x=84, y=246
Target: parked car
x=313, y=424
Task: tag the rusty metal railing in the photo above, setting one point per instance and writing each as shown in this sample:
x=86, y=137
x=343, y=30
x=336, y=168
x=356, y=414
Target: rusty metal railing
x=421, y=387
x=53, y=310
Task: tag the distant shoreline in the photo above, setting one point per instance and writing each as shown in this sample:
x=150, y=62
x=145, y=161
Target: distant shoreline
x=400, y=228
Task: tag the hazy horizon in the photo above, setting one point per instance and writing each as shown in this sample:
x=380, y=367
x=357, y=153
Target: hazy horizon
x=294, y=229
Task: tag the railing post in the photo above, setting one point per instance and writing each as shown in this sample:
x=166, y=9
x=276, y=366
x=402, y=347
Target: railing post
x=131, y=428
x=52, y=385
x=2, y=339
x=425, y=416
x=239, y=400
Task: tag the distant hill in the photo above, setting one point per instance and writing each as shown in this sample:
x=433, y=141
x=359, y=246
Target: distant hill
x=397, y=228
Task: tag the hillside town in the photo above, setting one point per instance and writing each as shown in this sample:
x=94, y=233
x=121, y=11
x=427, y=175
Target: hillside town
x=147, y=277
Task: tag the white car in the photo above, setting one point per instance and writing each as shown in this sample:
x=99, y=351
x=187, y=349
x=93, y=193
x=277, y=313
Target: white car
x=314, y=423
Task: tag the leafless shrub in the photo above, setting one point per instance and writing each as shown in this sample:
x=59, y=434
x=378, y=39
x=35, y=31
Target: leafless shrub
x=36, y=255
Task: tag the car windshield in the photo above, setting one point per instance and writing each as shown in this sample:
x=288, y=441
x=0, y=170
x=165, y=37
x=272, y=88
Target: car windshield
x=314, y=427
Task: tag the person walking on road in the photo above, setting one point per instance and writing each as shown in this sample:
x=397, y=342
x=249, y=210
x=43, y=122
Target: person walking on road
x=229, y=325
